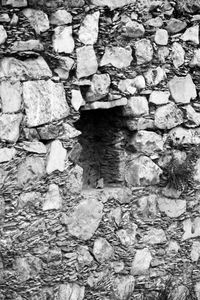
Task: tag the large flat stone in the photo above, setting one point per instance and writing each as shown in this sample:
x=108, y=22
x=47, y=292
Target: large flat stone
x=118, y=57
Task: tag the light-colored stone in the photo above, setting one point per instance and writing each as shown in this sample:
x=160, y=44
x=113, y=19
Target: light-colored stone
x=30, y=45
x=34, y=147
x=16, y=3
x=123, y=287
x=99, y=87
x=37, y=18
x=197, y=290
x=195, y=62
x=168, y=116
x=154, y=236
x=136, y=106
x=180, y=292
x=112, y=4
x=159, y=97
x=141, y=262
x=10, y=96
x=86, y=61
x=88, y=32
x=143, y=51
x=131, y=85
x=132, y=29
x=118, y=57
x=52, y=199
x=178, y=55
x=192, y=115
x=191, y=228
x=180, y=135
x=62, y=39
x=107, y=104
x=161, y=37
x=115, y=214
x=173, y=208
x=182, y=89
x=64, y=67
x=102, y=250
x=117, y=266
x=127, y=236
x=3, y=35
x=175, y=25
x=56, y=158
x=196, y=171
x=70, y=132
x=195, y=251
x=60, y=17
x=147, y=206
x=6, y=154
x=155, y=76
x=154, y=22
x=29, y=199
x=70, y=291
x=77, y=100
x=142, y=171
x=84, y=257
x=44, y=102
x=3, y=176
x=173, y=247
x=191, y=35
x=9, y=127
x=27, y=267
x=163, y=53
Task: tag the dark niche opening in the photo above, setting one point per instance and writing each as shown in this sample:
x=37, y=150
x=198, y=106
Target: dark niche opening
x=103, y=147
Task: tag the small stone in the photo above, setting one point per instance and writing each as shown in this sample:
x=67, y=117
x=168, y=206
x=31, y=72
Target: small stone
x=182, y=89
x=195, y=251
x=123, y=287
x=117, y=266
x=181, y=292
x=131, y=85
x=175, y=25
x=29, y=199
x=159, y=97
x=197, y=290
x=62, y=39
x=161, y=37
x=173, y=248
x=34, y=147
x=141, y=262
x=74, y=181
x=173, y=208
x=127, y=236
x=155, y=76
x=196, y=171
x=192, y=115
x=3, y=175
x=191, y=228
x=53, y=198
x=4, y=18
x=60, y=17
x=163, y=53
x=15, y=3
x=112, y=4
x=102, y=250
x=136, y=106
x=27, y=267
x=30, y=45
x=195, y=62
x=142, y=171
x=14, y=20
x=86, y=61
x=3, y=35
x=6, y=154
x=178, y=55
x=70, y=132
x=115, y=214
x=77, y=100
x=147, y=206
x=118, y=57
x=191, y=35
x=99, y=87
x=84, y=257
x=132, y=29
x=9, y=127
x=37, y=18
x=88, y=32
x=168, y=116
x=56, y=158
x=106, y=104
x=70, y=291
x=11, y=96
x=154, y=236
x=143, y=51
x=154, y=22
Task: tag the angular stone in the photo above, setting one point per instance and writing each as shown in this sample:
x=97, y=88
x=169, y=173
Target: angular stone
x=56, y=158
x=70, y=291
x=11, y=96
x=62, y=39
x=192, y=115
x=9, y=127
x=195, y=62
x=44, y=102
x=131, y=85
x=173, y=208
x=127, y=236
x=154, y=236
x=64, y=67
x=112, y=4
x=182, y=89
x=173, y=247
x=15, y=3
x=32, y=168
x=86, y=61
x=161, y=37
x=142, y=171
x=4, y=18
x=132, y=29
x=102, y=250
x=27, y=267
x=34, y=147
x=74, y=180
x=196, y=171
x=159, y=97
x=136, y=106
x=84, y=257
x=178, y=55
x=163, y=53
x=175, y=25
x=3, y=175
x=168, y=116
x=106, y=105
x=77, y=100
x=6, y=154
x=52, y=199
x=115, y=214
x=154, y=22
x=143, y=51
x=123, y=287
x=3, y=35
x=30, y=45
x=60, y=17
x=180, y=292
x=191, y=228
x=99, y=87
x=85, y=219
x=88, y=32
x=155, y=76
x=195, y=251
x=117, y=266
x=191, y=35
x=197, y=290
x=141, y=262
x=69, y=132
x=14, y=20
x=29, y=199
x=37, y=18
x=118, y=57
x=147, y=206
x=179, y=136
x=15, y=69
x=97, y=278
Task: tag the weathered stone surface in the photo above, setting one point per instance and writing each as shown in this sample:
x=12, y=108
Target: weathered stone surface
x=4, y=18
x=136, y=106
x=70, y=291
x=11, y=96
x=64, y=67
x=154, y=22
x=86, y=61
x=34, y=147
x=180, y=135
x=196, y=171
x=191, y=35
x=154, y=236
x=131, y=85
x=69, y=132
x=155, y=76
x=27, y=267
x=88, y=32
x=143, y=51
x=30, y=45
x=6, y=154
x=180, y=292
x=123, y=287
x=63, y=40
x=173, y=208
x=60, y=17
x=29, y=199
x=85, y=219
x=178, y=55
x=191, y=228
x=106, y=104
x=192, y=115
x=45, y=102
x=173, y=247
x=195, y=251
x=161, y=37
x=127, y=236
x=102, y=250
x=32, y=168
x=168, y=116
x=53, y=198
x=175, y=25
x=141, y=262
x=84, y=257
x=159, y=97
x=3, y=35
x=56, y=158
x=99, y=87
x=118, y=57
x=182, y=89
x=147, y=142
x=15, y=69
x=16, y=3
x=196, y=59
x=147, y=206
x=74, y=181
x=9, y=127
x=117, y=266
x=112, y=4
x=77, y=100
x=142, y=171
x=132, y=29
x=3, y=175
x=163, y=53
x=37, y=18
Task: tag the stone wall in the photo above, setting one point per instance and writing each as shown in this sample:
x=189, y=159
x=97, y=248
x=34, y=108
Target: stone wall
x=99, y=149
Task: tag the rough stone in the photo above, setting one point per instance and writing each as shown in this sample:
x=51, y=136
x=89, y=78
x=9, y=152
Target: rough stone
x=123, y=287
x=56, y=158
x=4, y=18
x=53, y=198
x=3, y=175
x=60, y=17
x=132, y=29
x=195, y=251
x=34, y=147
x=163, y=53
x=37, y=18
x=161, y=37
x=70, y=291
x=192, y=115
x=178, y=55
x=173, y=208
x=191, y=228
x=11, y=96
x=173, y=247
x=69, y=132
x=131, y=85
x=64, y=67
x=197, y=290
x=115, y=214
x=77, y=100
x=16, y=3
x=117, y=266
x=196, y=171
x=159, y=97
x=88, y=32
x=154, y=236
x=180, y=292
x=154, y=22
x=9, y=127
x=30, y=45
x=106, y=104
x=182, y=89
x=62, y=39
x=99, y=87
x=168, y=116
x=29, y=199
x=27, y=267
x=45, y=102
x=191, y=35
x=86, y=61
x=155, y=76
x=127, y=236
x=102, y=250
x=6, y=154
x=136, y=106
x=118, y=57
x=112, y=4
x=180, y=135
x=74, y=180
x=143, y=51
x=84, y=257
x=147, y=206
x=175, y=25
x=195, y=62
x=3, y=35
x=141, y=262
